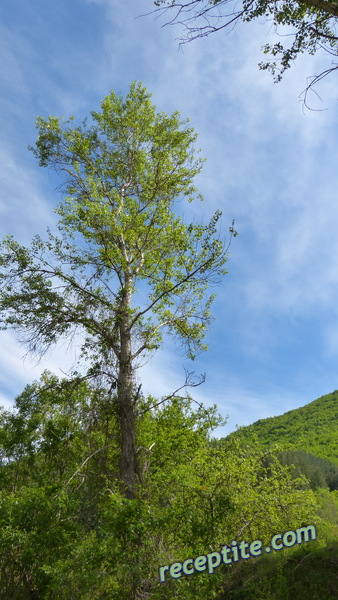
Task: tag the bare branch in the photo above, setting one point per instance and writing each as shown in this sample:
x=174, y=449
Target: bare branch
x=86, y=460
x=314, y=79
x=191, y=380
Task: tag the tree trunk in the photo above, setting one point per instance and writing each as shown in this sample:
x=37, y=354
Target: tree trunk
x=125, y=400
x=126, y=417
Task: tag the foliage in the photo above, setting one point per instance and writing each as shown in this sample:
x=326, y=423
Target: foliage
x=303, y=26
x=328, y=511
x=308, y=572
x=69, y=532
x=36, y=527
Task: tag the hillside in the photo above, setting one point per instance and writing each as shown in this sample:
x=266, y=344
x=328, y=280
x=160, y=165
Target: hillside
x=313, y=428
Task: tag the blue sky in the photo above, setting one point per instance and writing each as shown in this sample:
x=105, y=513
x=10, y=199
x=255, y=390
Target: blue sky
x=271, y=166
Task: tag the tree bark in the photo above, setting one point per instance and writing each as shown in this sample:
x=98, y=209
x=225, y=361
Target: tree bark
x=125, y=394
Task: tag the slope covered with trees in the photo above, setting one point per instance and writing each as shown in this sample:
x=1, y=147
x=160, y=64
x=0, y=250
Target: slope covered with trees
x=312, y=428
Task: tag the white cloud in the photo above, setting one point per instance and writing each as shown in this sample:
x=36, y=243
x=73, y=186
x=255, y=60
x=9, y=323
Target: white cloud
x=19, y=368
x=25, y=202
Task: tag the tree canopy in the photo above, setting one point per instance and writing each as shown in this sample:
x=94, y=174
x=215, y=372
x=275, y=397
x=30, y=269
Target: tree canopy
x=312, y=428
x=301, y=26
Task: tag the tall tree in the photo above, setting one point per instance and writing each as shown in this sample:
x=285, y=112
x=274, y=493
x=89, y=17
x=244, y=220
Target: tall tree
x=125, y=268
x=309, y=26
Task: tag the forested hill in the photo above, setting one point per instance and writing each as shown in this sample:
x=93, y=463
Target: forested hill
x=313, y=428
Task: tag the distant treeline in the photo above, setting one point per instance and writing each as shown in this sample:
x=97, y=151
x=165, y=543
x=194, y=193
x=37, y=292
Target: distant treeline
x=320, y=472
